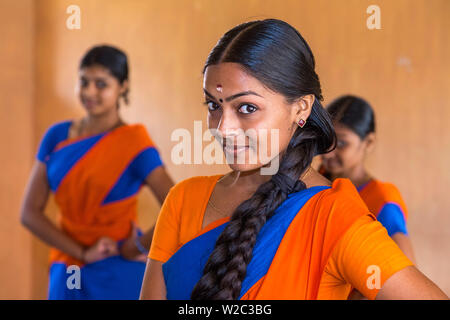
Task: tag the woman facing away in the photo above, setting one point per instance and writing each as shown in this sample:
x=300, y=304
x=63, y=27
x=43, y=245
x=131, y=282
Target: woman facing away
x=95, y=167
x=289, y=235
x=354, y=123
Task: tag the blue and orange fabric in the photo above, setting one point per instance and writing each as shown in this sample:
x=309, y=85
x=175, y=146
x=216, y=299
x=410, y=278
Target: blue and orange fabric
x=95, y=180
x=385, y=201
x=318, y=245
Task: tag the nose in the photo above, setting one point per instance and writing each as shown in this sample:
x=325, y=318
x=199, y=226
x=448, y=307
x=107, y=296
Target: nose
x=228, y=125
x=89, y=90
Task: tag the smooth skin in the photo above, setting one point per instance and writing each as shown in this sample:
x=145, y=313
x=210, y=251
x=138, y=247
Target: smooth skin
x=265, y=109
x=99, y=93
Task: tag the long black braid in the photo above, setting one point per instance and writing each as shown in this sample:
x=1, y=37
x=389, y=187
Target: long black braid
x=275, y=53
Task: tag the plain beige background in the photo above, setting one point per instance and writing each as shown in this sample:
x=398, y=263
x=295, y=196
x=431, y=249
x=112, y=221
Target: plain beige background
x=402, y=69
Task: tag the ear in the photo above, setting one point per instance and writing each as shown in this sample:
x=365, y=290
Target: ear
x=302, y=108
x=370, y=140
x=124, y=87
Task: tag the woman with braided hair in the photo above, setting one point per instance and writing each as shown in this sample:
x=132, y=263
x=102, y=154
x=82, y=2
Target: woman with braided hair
x=289, y=235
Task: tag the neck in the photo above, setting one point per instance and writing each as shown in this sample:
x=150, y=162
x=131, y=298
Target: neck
x=103, y=122
x=245, y=180
x=249, y=181
x=358, y=176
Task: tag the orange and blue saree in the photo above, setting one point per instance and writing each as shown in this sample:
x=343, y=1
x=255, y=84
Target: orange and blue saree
x=317, y=245
x=385, y=201
x=95, y=181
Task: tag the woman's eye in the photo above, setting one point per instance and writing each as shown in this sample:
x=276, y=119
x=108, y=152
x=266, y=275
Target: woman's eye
x=340, y=144
x=83, y=83
x=211, y=106
x=100, y=84
x=247, y=108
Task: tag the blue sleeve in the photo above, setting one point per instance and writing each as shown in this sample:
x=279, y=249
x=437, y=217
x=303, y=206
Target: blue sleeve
x=54, y=135
x=145, y=163
x=392, y=218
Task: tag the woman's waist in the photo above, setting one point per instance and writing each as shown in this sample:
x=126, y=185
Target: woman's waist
x=88, y=232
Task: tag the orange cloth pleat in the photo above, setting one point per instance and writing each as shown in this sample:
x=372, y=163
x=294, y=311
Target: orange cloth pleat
x=81, y=192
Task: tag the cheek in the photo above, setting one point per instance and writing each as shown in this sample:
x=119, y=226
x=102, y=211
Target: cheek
x=349, y=156
x=266, y=144
x=212, y=121
x=109, y=95
x=279, y=133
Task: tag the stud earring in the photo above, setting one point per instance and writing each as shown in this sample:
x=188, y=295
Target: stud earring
x=301, y=123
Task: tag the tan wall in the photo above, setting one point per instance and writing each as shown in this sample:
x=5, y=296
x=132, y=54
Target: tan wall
x=16, y=142
x=401, y=69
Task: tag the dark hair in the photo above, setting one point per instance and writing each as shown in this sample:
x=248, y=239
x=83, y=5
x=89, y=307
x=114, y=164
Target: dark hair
x=353, y=112
x=111, y=58
x=275, y=53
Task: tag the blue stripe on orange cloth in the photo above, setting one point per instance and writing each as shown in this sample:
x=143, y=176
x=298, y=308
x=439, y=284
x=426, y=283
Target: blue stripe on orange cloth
x=323, y=254
x=362, y=186
x=84, y=187
x=183, y=270
x=385, y=201
x=82, y=172
x=61, y=161
x=131, y=179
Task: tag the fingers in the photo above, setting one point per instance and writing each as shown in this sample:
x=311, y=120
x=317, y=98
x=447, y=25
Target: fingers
x=107, y=247
x=141, y=258
x=134, y=230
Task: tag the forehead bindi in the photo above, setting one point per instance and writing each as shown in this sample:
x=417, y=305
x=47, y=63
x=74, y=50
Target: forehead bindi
x=227, y=79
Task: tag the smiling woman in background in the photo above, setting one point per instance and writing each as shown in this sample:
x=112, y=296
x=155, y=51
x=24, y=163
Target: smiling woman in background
x=354, y=123
x=95, y=167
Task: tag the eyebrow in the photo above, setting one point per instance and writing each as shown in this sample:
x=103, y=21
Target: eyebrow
x=234, y=96
x=93, y=78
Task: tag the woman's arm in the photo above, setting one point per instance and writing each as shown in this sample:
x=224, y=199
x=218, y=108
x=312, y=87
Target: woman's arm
x=393, y=219
x=33, y=218
x=160, y=183
x=153, y=286
x=404, y=243
x=368, y=259
x=410, y=284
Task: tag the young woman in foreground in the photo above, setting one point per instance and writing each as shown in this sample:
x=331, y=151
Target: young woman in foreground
x=290, y=235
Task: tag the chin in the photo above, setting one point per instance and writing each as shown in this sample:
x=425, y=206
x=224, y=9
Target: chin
x=244, y=167
x=269, y=169
x=96, y=111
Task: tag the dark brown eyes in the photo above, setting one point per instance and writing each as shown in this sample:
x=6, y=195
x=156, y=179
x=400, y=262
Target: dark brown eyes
x=243, y=108
x=247, y=108
x=99, y=84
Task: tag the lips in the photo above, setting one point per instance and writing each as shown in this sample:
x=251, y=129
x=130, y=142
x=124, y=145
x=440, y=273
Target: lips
x=89, y=103
x=233, y=149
